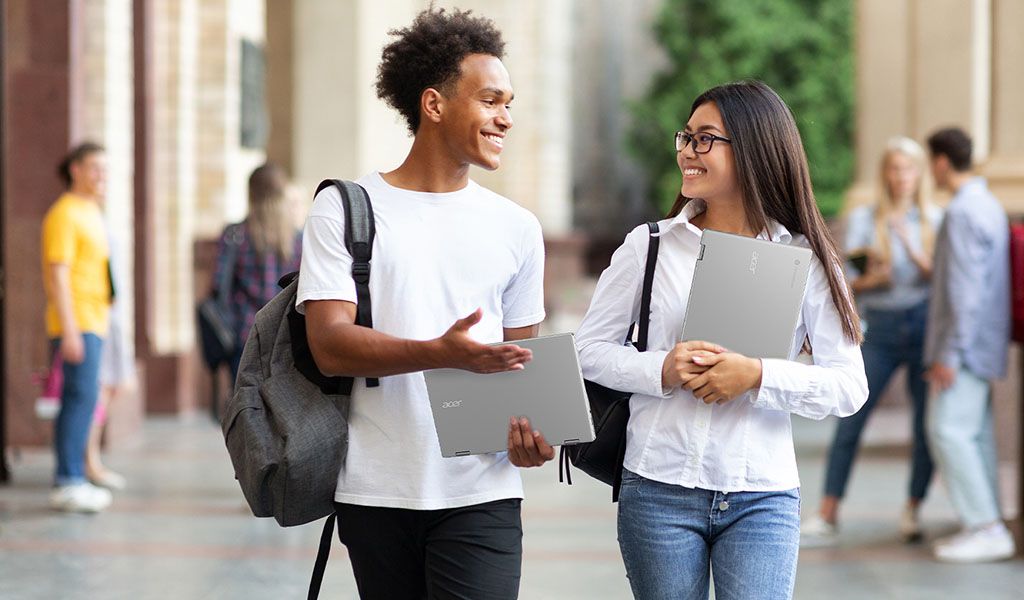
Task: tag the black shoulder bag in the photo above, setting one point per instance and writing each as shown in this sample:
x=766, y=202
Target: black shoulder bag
x=602, y=459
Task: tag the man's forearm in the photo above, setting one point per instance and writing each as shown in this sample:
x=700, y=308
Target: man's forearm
x=60, y=286
x=355, y=351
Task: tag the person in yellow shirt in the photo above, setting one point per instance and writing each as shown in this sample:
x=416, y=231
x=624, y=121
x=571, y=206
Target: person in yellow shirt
x=76, y=275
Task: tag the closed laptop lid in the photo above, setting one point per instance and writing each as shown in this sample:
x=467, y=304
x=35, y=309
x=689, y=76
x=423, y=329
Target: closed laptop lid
x=472, y=410
x=746, y=294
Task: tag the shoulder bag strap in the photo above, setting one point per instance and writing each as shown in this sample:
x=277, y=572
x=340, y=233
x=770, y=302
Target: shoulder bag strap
x=645, y=294
x=644, y=327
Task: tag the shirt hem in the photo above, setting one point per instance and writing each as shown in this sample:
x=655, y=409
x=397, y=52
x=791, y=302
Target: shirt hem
x=429, y=503
x=777, y=486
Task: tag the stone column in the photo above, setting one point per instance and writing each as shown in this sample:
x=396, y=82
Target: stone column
x=102, y=111
x=36, y=126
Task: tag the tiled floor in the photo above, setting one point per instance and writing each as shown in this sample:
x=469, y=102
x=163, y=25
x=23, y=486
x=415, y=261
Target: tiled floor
x=182, y=531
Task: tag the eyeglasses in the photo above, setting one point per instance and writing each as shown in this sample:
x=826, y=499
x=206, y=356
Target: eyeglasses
x=700, y=142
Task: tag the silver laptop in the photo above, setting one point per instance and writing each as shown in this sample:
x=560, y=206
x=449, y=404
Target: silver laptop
x=472, y=411
x=746, y=294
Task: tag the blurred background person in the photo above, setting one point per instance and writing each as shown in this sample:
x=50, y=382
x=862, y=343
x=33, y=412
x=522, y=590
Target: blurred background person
x=890, y=245
x=79, y=291
x=267, y=245
x=966, y=348
x=117, y=374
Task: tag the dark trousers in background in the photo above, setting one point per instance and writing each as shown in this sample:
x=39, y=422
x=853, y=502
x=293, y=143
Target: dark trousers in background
x=894, y=338
x=468, y=552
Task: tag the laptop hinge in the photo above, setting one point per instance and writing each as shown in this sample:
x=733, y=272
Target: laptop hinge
x=701, y=256
x=462, y=453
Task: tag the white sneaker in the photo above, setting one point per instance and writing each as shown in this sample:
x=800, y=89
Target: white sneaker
x=991, y=543
x=816, y=532
x=951, y=539
x=910, y=526
x=82, y=497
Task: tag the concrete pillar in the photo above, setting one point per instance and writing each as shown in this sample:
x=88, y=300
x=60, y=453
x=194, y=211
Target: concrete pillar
x=36, y=126
x=102, y=111
x=171, y=48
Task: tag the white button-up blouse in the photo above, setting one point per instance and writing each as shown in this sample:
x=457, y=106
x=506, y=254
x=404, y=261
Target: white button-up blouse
x=742, y=445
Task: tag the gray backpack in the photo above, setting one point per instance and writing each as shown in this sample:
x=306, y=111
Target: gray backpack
x=286, y=425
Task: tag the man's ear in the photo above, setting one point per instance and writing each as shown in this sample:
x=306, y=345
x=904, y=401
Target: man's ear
x=431, y=105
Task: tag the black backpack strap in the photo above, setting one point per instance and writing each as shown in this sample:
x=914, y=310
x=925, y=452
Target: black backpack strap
x=322, y=554
x=645, y=294
x=359, y=233
x=644, y=324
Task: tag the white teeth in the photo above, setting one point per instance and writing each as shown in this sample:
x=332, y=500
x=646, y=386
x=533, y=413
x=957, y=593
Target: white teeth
x=497, y=140
x=693, y=172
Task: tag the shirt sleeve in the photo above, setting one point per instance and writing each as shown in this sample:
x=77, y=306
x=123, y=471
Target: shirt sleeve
x=326, y=270
x=59, y=237
x=835, y=384
x=966, y=250
x=604, y=359
x=522, y=303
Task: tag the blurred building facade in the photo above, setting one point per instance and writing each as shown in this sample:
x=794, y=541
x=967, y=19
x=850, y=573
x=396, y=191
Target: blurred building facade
x=190, y=95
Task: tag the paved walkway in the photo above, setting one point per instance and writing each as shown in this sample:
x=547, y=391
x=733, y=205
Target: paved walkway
x=182, y=531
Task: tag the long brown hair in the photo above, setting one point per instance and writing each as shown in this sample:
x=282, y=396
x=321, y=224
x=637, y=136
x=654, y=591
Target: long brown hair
x=775, y=180
x=270, y=223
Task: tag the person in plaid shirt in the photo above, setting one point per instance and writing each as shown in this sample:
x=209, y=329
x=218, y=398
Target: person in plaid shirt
x=268, y=246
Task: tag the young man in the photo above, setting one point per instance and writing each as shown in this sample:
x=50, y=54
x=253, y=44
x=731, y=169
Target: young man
x=966, y=346
x=455, y=266
x=76, y=273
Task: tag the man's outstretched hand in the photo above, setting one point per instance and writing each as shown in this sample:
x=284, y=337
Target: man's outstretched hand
x=458, y=350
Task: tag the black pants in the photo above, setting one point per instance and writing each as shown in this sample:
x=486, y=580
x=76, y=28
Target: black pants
x=466, y=553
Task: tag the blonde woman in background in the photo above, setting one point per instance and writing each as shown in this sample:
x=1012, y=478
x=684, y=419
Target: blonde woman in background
x=268, y=247
x=893, y=242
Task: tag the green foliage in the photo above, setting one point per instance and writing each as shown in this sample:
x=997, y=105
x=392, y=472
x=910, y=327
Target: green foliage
x=802, y=48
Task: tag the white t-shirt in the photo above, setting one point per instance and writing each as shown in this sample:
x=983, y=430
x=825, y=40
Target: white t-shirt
x=436, y=259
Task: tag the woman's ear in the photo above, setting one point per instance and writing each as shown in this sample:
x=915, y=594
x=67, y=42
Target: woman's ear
x=431, y=105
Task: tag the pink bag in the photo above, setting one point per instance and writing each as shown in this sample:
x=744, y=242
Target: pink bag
x=52, y=382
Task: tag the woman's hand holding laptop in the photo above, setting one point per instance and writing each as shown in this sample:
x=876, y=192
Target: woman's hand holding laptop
x=679, y=367
x=728, y=375
x=710, y=371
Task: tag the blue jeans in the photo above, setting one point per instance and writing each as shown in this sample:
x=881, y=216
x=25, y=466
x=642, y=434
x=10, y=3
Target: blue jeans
x=894, y=338
x=960, y=429
x=77, y=405
x=674, y=539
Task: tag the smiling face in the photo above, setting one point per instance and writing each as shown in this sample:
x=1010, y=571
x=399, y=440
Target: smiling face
x=474, y=117
x=713, y=174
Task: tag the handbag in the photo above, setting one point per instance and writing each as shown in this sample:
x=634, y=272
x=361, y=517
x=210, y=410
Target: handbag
x=218, y=339
x=51, y=384
x=602, y=458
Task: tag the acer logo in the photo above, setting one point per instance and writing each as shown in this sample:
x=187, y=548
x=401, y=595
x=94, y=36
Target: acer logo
x=451, y=404
x=753, y=262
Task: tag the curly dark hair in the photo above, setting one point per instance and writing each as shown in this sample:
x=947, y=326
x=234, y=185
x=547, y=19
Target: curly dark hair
x=428, y=54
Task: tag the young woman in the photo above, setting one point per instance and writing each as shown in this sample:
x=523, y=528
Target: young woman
x=710, y=482
x=897, y=236
x=268, y=247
